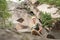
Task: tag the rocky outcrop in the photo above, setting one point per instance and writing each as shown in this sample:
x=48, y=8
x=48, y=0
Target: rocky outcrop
x=20, y=11
x=24, y=9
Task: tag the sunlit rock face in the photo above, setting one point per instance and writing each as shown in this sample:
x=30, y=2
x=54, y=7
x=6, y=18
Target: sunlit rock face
x=11, y=7
x=18, y=13
x=49, y=9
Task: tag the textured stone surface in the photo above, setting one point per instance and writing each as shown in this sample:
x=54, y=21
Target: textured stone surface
x=18, y=13
x=49, y=9
x=10, y=35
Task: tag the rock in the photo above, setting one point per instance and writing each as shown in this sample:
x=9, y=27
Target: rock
x=56, y=30
x=50, y=36
x=21, y=36
x=12, y=5
x=56, y=26
x=20, y=12
x=45, y=8
x=22, y=28
x=14, y=36
x=55, y=34
x=27, y=30
x=49, y=9
x=33, y=1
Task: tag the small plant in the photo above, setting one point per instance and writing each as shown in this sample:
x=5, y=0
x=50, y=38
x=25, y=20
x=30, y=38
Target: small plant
x=4, y=14
x=46, y=19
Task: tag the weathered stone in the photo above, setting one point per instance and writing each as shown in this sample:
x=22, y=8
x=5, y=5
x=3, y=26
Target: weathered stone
x=22, y=36
x=21, y=12
x=49, y=9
